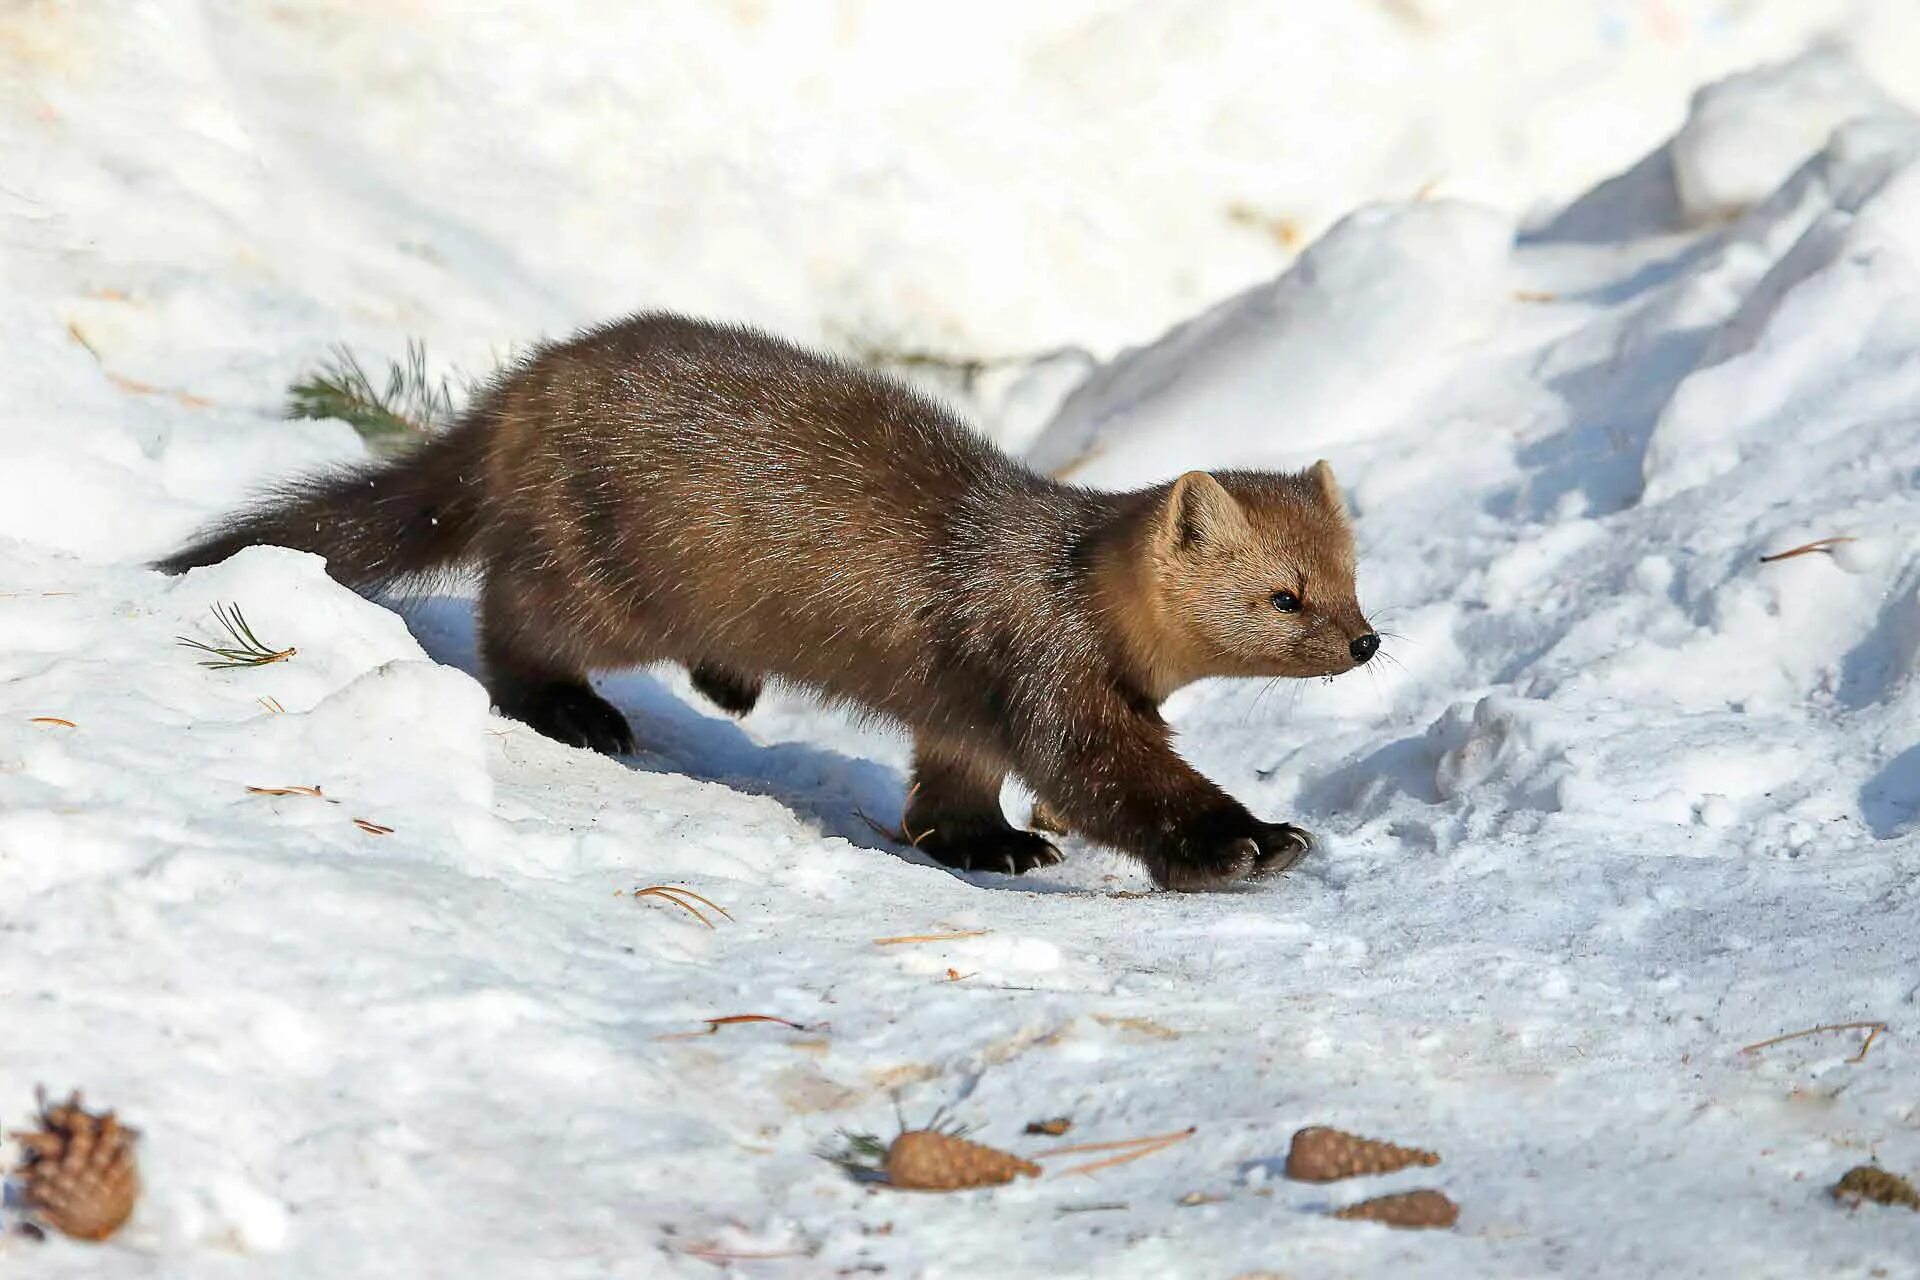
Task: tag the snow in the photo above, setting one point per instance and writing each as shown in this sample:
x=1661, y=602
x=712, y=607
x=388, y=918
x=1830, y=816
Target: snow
x=1407, y=283
x=1745, y=134
x=1626, y=800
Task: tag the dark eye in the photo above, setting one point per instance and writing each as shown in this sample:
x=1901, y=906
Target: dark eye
x=1286, y=602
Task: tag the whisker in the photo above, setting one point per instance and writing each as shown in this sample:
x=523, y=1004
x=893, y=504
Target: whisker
x=1266, y=687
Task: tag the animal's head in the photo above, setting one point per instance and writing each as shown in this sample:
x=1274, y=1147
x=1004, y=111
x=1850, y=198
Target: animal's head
x=1253, y=573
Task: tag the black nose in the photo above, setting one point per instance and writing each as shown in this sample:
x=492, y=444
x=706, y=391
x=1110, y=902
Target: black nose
x=1364, y=647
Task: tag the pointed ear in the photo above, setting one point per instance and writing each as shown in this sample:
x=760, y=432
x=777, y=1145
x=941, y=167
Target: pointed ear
x=1329, y=488
x=1199, y=510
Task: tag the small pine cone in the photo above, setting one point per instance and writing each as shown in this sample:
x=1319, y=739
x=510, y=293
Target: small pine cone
x=1320, y=1154
x=928, y=1160
x=1408, y=1209
x=1871, y=1182
x=79, y=1173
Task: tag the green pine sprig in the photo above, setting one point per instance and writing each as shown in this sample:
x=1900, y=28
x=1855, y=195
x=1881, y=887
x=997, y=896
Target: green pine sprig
x=411, y=403
x=247, y=649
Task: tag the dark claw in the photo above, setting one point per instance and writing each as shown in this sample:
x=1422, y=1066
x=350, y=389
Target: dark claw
x=988, y=847
x=1281, y=845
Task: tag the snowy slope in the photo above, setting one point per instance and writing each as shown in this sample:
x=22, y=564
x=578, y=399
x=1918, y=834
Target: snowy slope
x=1629, y=800
x=977, y=180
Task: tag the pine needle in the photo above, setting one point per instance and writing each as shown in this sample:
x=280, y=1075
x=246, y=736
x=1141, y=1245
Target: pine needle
x=1818, y=545
x=1142, y=1147
x=1873, y=1030
x=246, y=649
x=1152, y=1140
x=931, y=937
x=734, y=1020
x=410, y=405
x=677, y=895
x=856, y=1150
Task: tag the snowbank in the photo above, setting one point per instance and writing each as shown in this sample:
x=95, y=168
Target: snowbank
x=1744, y=135
x=1403, y=287
x=972, y=181
x=1624, y=800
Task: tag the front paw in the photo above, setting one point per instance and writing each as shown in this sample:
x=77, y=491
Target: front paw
x=1225, y=848
x=1201, y=867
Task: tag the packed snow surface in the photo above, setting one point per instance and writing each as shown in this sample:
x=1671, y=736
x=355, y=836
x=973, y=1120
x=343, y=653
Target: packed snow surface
x=1625, y=799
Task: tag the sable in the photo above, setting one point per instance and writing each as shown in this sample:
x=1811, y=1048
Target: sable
x=663, y=489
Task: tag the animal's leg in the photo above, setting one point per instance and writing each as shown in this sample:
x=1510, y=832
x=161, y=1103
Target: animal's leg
x=536, y=664
x=1114, y=776
x=731, y=692
x=953, y=813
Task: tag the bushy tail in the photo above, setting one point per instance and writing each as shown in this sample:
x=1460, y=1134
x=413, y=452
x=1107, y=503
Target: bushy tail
x=376, y=524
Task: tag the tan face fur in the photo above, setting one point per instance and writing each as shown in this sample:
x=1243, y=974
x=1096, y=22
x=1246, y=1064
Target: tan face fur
x=1213, y=558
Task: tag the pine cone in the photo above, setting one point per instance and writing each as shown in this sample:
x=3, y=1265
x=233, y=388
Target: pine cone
x=1408, y=1209
x=1320, y=1154
x=79, y=1172
x=928, y=1160
x=1871, y=1182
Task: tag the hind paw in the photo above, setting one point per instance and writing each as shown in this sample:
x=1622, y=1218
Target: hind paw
x=734, y=694
x=573, y=714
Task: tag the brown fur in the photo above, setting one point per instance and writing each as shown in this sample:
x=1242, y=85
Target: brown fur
x=662, y=489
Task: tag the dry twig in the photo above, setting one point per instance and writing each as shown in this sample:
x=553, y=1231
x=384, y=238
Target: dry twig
x=1873, y=1030
x=1131, y=1149
x=708, y=1254
x=931, y=937
x=733, y=1019
x=1825, y=545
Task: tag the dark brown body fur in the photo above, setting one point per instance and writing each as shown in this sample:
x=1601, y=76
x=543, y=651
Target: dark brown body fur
x=665, y=489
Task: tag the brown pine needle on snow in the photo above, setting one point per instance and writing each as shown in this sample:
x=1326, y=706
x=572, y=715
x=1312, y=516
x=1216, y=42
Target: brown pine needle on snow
x=1808, y=548
x=1130, y=1148
x=931, y=937
x=372, y=828
x=709, y=1254
x=287, y=791
x=65, y=724
x=1873, y=1030
x=734, y=1019
x=676, y=894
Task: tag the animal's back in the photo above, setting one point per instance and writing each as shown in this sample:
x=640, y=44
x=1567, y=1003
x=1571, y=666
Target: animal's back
x=736, y=496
